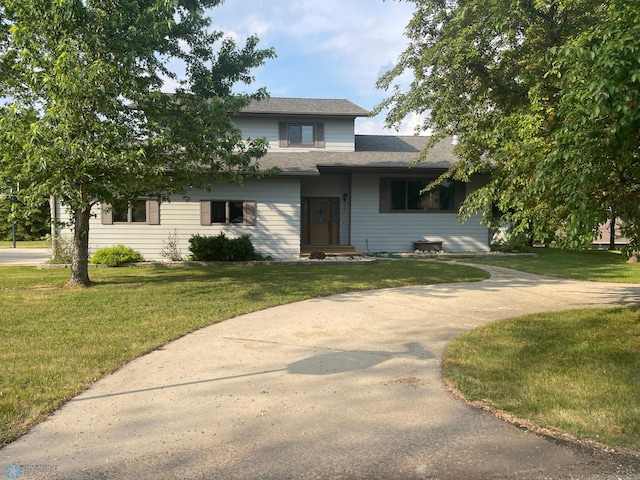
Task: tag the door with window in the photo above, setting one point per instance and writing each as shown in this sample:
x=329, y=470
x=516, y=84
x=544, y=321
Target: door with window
x=320, y=221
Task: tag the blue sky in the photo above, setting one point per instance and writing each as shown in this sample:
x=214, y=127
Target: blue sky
x=325, y=48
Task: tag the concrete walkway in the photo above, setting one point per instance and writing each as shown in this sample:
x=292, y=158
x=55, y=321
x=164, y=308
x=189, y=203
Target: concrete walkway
x=344, y=387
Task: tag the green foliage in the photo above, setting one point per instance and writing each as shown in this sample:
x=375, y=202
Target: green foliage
x=116, y=255
x=543, y=95
x=32, y=224
x=171, y=250
x=62, y=247
x=221, y=248
x=71, y=72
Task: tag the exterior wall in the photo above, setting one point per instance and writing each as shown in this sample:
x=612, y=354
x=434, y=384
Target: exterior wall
x=276, y=232
x=338, y=134
x=372, y=231
x=331, y=186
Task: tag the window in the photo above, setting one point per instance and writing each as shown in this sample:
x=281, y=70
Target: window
x=404, y=195
x=224, y=212
x=301, y=134
x=142, y=211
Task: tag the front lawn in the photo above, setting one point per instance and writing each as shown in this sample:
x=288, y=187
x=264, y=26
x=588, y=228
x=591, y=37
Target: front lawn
x=574, y=371
x=57, y=341
x=591, y=265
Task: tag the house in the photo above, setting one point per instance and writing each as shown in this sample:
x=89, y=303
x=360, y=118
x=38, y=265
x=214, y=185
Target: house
x=336, y=191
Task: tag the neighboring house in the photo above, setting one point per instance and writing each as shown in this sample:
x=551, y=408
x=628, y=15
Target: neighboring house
x=336, y=192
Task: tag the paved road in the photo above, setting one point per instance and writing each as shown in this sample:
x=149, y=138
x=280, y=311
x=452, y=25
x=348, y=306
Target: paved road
x=24, y=256
x=344, y=387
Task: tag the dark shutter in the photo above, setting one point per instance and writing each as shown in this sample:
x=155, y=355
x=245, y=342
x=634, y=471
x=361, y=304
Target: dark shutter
x=459, y=194
x=153, y=212
x=205, y=212
x=282, y=134
x=106, y=213
x=250, y=212
x=319, y=135
x=384, y=196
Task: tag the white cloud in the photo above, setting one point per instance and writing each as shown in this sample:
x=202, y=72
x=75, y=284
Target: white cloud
x=376, y=126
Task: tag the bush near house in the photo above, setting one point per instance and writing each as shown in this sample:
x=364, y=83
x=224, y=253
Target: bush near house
x=116, y=255
x=221, y=248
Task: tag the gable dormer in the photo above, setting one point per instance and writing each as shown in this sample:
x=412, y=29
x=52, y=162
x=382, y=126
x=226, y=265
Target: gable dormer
x=302, y=124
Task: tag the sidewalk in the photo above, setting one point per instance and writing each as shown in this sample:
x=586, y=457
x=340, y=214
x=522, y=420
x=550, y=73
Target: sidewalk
x=343, y=387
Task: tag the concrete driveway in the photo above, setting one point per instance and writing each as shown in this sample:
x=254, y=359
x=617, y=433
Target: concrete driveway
x=344, y=387
x=24, y=256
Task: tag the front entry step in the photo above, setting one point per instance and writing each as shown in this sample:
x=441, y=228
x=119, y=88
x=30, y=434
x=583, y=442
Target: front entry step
x=332, y=250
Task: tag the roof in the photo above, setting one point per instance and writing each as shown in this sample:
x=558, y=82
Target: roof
x=305, y=106
x=373, y=152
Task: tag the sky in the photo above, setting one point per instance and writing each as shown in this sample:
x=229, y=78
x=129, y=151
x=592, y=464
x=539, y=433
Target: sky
x=325, y=48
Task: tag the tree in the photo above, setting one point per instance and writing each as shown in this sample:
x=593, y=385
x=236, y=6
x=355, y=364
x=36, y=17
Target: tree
x=543, y=95
x=85, y=119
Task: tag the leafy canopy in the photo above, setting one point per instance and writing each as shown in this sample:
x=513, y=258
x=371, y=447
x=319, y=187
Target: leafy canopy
x=544, y=97
x=85, y=118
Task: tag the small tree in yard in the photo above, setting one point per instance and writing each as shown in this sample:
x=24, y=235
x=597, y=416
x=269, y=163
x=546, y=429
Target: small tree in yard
x=84, y=118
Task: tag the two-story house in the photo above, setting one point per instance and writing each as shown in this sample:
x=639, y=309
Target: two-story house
x=336, y=192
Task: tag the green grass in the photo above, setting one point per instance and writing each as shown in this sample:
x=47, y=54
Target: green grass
x=593, y=265
x=575, y=372
x=56, y=340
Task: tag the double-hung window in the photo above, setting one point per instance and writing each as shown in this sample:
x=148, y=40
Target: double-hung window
x=237, y=212
x=301, y=135
x=142, y=211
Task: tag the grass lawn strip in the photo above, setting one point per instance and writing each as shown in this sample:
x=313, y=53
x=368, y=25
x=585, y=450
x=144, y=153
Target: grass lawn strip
x=592, y=265
x=57, y=341
x=575, y=371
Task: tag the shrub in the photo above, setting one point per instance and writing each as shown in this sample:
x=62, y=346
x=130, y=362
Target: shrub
x=116, y=255
x=171, y=249
x=221, y=248
x=62, y=247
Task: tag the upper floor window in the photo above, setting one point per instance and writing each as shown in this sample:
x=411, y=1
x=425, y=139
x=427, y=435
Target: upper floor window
x=301, y=134
x=408, y=195
x=142, y=211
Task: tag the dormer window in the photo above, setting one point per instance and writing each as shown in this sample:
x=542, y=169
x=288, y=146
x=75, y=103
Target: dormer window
x=301, y=135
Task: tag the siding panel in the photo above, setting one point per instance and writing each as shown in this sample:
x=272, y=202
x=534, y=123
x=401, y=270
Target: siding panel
x=394, y=232
x=276, y=232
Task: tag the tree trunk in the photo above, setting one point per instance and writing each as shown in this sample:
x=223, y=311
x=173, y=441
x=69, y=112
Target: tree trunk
x=80, y=256
x=612, y=233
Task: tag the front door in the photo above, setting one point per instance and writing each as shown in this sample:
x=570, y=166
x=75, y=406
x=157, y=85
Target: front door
x=320, y=221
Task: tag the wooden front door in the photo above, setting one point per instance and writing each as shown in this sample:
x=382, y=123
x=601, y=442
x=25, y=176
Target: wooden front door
x=320, y=221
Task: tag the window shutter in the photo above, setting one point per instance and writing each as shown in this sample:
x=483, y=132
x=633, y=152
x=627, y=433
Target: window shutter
x=282, y=134
x=205, y=212
x=106, y=213
x=153, y=212
x=319, y=135
x=459, y=194
x=250, y=212
x=384, y=196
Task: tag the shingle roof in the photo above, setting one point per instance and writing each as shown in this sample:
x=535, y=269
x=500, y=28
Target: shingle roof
x=305, y=106
x=372, y=152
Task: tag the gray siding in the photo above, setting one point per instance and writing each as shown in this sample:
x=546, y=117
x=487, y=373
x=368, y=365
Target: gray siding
x=394, y=232
x=276, y=233
x=338, y=133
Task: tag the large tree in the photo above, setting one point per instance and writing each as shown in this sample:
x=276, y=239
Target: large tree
x=543, y=95
x=84, y=116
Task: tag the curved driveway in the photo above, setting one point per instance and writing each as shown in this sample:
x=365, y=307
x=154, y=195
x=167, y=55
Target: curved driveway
x=344, y=387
